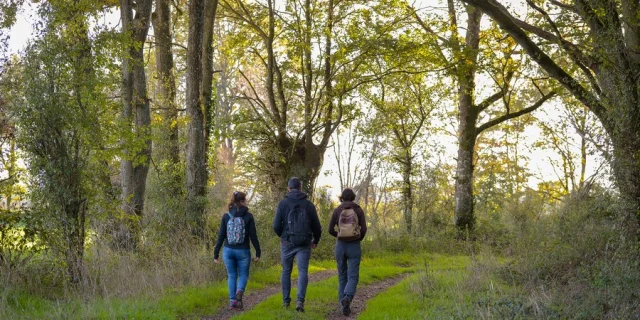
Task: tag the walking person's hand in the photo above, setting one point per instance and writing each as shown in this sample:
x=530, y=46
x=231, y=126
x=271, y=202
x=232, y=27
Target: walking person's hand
x=216, y=261
x=256, y=259
x=314, y=245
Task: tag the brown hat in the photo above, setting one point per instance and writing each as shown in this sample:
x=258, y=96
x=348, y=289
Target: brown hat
x=347, y=195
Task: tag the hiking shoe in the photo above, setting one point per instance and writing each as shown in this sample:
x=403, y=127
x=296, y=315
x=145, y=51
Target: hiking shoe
x=346, y=305
x=300, y=306
x=285, y=304
x=239, y=299
x=233, y=305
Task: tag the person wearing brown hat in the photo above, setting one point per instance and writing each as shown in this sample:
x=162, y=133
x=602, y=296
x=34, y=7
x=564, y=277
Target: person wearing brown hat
x=349, y=226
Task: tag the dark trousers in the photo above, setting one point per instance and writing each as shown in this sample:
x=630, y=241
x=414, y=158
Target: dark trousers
x=302, y=255
x=348, y=255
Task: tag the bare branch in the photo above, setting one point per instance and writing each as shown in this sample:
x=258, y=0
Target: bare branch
x=490, y=100
x=564, y=6
x=500, y=14
x=426, y=28
x=509, y=116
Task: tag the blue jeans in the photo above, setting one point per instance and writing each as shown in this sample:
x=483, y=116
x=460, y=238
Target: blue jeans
x=237, y=262
x=302, y=255
x=348, y=255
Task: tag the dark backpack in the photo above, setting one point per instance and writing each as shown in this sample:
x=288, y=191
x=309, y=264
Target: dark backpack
x=298, y=226
x=235, y=230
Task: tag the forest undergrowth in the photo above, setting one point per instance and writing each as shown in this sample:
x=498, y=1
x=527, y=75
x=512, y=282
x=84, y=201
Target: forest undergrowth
x=573, y=262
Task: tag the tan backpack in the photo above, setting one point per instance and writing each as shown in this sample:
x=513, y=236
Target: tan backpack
x=348, y=225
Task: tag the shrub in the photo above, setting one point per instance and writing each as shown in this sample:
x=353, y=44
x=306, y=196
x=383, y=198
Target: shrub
x=583, y=256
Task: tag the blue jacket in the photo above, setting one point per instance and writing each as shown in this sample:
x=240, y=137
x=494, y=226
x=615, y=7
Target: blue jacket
x=292, y=198
x=250, y=232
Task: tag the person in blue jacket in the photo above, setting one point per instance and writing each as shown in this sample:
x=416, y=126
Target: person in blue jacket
x=298, y=226
x=237, y=254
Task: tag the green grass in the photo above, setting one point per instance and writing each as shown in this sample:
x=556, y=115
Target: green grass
x=322, y=297
x=437, y=286
x=177, y=303
x=448, y=287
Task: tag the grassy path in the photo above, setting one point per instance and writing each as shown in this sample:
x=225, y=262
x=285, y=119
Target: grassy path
x=253, y=298
x=364, y=294
x=322, y=301
x=392, y=286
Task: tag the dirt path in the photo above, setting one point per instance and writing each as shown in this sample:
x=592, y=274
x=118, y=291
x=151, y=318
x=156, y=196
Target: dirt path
x=253, y=298
x=363, y=294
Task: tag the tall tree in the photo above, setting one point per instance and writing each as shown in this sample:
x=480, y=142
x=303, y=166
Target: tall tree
x=135, y=108
x=297, y=97
x=464, y=72
x=166, y=90
x=603, y=74
x=62, y=125
x=206, y=90
x=196, y=153
x=225, y=143
x=403, y=106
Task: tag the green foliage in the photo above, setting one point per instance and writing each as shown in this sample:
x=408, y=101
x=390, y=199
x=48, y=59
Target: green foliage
x=61, y=131
x=19, y=245
x=582, y=257
x=569, y=251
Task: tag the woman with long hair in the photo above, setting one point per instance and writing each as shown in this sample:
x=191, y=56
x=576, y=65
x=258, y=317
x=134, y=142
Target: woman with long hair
x=237, y=228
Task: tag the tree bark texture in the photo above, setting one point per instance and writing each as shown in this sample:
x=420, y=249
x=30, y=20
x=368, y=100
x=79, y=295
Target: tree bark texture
x=206, y=90
x=613, y=66
x=407, y=189
x=166, y=88
x=468, y=116
x=196, y=156
x=135, y=102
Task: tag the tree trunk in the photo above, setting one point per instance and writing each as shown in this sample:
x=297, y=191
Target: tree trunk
x=468, y=117
x=613, y=96
x=211, y=7
x=74, y=232
x=302, y=161
x=135, y=104
x=11, y=171
x=407, y=190
x=196, y=159
x=464, y=217
x=166, y=88
x=75, y=200
x=626, y=169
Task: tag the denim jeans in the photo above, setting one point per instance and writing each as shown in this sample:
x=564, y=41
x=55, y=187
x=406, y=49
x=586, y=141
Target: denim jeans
x=348, y=255
x=302, y=255
x=237, y=262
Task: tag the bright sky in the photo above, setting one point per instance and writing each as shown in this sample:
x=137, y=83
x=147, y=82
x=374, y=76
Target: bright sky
x=539, y=162
x=21, y=30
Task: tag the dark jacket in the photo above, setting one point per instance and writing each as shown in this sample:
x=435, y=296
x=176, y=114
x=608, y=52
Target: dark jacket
x=250, y=232
x=292, y=198
x=333, y=223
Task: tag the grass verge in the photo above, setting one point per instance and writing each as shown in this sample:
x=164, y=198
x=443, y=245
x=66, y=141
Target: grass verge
x=177, y=303
x=451, y=287
x=322, y=296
